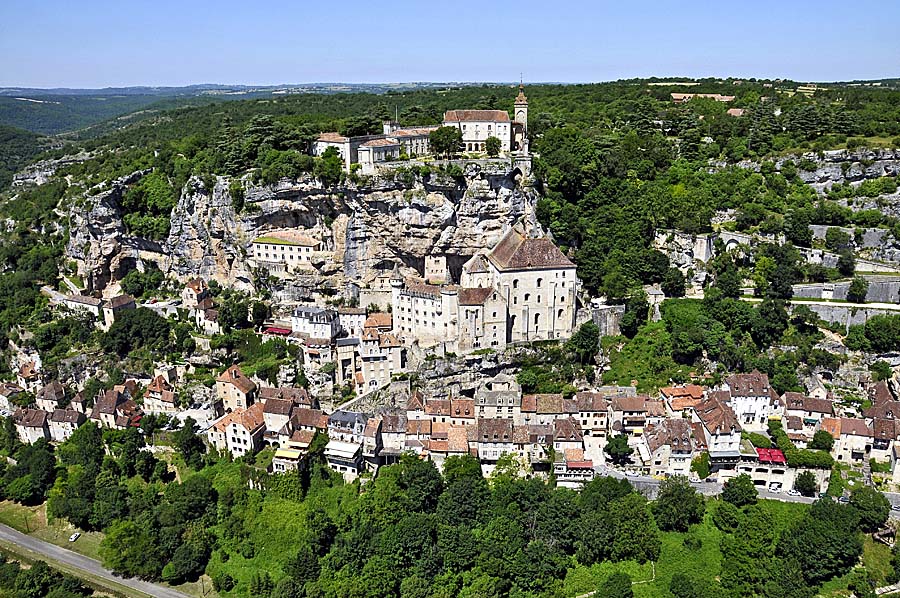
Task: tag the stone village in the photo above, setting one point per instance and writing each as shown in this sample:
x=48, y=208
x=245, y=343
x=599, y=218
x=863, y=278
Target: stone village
x=464, y=315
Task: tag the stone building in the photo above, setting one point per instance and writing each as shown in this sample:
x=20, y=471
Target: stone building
x=283, y=251
x=315, y=322
x=370, y=150
x=536, y=280
x=380, y=357
x=234, y=389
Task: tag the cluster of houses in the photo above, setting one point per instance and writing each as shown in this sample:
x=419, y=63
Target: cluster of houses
x=546, y=433
x=563, y=435
x=367, y=152
x=55, y=417
x=195, y=297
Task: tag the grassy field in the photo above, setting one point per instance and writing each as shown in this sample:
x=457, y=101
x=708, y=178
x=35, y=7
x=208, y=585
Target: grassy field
x=33, y=521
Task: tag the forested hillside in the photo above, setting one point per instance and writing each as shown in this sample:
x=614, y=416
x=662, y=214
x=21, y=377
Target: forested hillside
x=17, y=148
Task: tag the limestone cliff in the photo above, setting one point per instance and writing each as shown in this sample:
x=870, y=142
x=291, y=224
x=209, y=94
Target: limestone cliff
x=363, y=227
x=837, y=166
x=98, y=242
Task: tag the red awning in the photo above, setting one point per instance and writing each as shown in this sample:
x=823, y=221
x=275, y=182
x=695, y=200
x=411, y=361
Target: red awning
x=770, y=456
x=278, y=331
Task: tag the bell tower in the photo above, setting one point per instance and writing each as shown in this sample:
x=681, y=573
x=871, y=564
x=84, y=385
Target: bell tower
x=521, y=109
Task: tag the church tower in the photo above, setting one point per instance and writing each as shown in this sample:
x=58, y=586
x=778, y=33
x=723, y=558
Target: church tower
x=521, y=110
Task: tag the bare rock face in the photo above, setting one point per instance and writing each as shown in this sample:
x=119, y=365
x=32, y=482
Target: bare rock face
x=837, y=166
x=206, y=238
x=97, y=238
x=364, y=227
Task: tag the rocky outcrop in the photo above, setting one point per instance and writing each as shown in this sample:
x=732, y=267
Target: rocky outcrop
x=364, y=227
x=98, y=242
x=836, y=166
x=42, y=171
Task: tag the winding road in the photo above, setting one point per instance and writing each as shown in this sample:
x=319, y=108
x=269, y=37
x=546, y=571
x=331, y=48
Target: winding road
x=78, y=563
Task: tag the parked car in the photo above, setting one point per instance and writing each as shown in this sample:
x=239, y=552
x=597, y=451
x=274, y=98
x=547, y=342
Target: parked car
x=843, y=499
x=74, y=536
x=793, y=492
x=895, y=507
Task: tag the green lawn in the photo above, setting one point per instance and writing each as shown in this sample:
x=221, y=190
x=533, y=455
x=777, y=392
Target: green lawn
x=33, y=521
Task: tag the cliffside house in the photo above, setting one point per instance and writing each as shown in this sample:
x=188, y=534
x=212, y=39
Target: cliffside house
x=63, y=423
x=239, y=432
x=83, y=303
x=669, y=446
x=283, y=251
x=160, y=397
x=50, y=397
x=721, y=430
x=114, y=307
x=752, y=399
x=113, y=409
x=193, y=293
x=234, y=389
x=31, y=425
x=315, y=322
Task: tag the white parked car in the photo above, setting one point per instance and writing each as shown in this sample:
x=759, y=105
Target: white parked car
x=74, y=536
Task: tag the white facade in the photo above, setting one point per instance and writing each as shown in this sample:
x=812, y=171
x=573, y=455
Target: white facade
x=477, y=125
x=286, y=250
x=316, y=322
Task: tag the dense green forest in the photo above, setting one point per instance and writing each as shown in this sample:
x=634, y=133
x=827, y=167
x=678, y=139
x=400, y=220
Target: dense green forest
x=17, y=148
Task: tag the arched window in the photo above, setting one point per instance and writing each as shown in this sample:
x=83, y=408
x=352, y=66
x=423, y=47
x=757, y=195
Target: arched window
x=527, y=296
x=559, y=314
x=516, y=283
x=539, y=280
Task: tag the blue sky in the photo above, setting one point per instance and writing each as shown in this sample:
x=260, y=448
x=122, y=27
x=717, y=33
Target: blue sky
x=97, y=43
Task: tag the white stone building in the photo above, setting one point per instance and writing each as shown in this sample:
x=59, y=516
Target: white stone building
x=669, y=446
x=380, y=357
x=721, y=430
x=283, y=251
x=239, y=432
x=536, y=280
x=753, y=399
x=315, y=322
x=63, y=423
x=476, y=126
x=31, y=425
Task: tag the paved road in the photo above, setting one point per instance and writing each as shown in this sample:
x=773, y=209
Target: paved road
x=82, y=563
x=650, y=484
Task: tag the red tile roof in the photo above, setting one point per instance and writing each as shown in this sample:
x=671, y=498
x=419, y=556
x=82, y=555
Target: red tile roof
x=333, y=138
x=476, y=116
x=235, y=376
x=474, y=296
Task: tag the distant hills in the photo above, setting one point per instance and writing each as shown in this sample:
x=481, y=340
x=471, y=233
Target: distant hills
x=66, y=110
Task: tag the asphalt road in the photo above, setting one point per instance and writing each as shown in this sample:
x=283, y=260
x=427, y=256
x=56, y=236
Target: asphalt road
x=84, y=564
